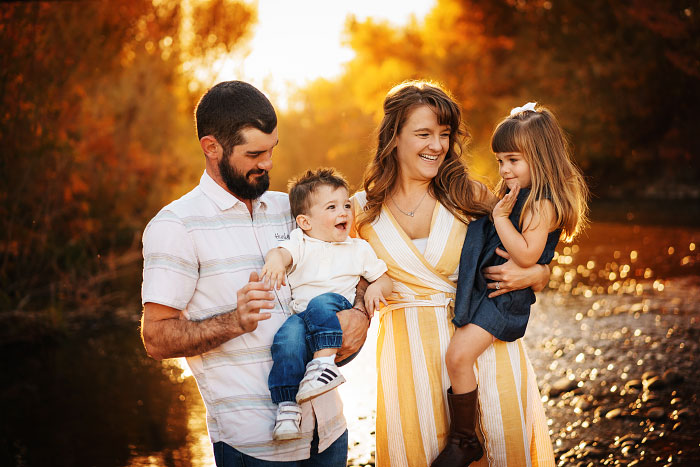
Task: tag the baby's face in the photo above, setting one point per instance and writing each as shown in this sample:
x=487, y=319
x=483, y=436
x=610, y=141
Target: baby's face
x=330, y=215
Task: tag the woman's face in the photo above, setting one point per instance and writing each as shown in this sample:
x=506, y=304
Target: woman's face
x=422, y=144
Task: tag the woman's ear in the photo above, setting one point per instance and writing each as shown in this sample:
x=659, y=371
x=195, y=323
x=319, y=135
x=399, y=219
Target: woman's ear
x=303, y=222
x=211, y=148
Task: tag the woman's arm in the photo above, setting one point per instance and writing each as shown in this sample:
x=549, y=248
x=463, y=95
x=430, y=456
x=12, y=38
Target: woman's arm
x=509, y=276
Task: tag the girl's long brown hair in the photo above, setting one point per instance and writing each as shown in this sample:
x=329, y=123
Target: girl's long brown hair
x=554, y=176
x=452, y=187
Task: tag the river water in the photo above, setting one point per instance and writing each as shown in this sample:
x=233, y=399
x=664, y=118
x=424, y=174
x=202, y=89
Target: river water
x=613, y=340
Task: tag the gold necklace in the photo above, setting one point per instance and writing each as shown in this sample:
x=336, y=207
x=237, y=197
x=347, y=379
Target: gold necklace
x=413, y=211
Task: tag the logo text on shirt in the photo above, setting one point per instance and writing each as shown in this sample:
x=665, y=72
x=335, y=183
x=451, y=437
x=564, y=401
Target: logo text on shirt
x=282, y=236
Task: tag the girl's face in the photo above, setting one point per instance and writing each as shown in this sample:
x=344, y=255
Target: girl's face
x=514, y=169
x=422, y=144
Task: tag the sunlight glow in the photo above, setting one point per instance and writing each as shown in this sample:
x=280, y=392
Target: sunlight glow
x=297, y=42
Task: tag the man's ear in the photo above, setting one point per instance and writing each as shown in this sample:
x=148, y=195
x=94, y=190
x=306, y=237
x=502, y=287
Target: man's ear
x=303, y=222
x=211, y=148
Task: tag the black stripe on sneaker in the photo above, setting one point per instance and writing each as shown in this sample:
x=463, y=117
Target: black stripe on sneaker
x=329, y=371
x=324, y=379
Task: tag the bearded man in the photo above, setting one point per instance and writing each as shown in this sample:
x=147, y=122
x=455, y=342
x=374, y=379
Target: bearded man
x=203, y=299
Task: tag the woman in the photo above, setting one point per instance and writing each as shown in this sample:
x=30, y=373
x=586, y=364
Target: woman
x=417, y=202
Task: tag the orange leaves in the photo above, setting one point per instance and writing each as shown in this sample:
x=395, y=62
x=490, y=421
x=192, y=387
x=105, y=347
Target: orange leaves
x=96, y=131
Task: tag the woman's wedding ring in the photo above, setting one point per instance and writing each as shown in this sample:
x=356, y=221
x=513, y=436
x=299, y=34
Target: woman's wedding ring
x=498, y=285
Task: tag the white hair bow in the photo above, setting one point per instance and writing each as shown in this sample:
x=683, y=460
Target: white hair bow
x=528, y=106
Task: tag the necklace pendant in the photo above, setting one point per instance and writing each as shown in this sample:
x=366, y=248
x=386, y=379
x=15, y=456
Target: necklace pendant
x=410, y=214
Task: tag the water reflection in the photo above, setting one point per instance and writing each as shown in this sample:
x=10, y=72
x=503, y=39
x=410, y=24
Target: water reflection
x=197, y=450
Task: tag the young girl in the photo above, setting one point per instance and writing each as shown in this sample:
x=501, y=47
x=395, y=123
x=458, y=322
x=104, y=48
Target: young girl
x=543, y=198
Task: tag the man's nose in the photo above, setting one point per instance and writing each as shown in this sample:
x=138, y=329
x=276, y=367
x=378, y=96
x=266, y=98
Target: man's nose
x=265, y=162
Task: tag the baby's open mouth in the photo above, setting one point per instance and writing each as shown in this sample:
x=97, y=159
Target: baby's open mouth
x=341, y=226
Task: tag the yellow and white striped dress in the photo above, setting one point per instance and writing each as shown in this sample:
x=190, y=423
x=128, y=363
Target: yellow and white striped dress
x=414, y=331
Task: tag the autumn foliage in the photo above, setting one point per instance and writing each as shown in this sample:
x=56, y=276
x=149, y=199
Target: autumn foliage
x=96, y=128
x=96, y=136
x=623, y=77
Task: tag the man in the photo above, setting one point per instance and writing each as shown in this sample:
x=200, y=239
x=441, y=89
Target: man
x=203, y=299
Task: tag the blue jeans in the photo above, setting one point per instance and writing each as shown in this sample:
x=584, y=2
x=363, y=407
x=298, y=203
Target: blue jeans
x=299, y=337
x=335, y=455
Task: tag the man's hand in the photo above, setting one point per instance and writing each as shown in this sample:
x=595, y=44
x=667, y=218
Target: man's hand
x=354, y=324
x=509, y=276
x=253, y=297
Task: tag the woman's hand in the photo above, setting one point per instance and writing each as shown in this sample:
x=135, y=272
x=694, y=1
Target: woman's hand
x=509, y=276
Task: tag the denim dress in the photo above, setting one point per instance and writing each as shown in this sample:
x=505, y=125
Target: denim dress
x=504, y=316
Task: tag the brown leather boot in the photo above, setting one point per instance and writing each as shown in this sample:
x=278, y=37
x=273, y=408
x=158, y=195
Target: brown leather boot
x=463, y=446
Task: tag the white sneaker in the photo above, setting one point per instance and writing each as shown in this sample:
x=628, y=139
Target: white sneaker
x=319, y=378
x=288, y=422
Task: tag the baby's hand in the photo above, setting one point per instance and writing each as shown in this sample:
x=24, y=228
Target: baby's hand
x=273, y=273
x=505, y=206
x=373, y=295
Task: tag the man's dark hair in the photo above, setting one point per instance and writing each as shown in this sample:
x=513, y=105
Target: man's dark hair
x=229, y=107
x=301, y=188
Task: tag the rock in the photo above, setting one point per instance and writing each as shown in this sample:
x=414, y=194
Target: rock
x=595, y=451
x=561, y=386
x=629, y=438
x=614, y=413
x=627, y=449
x=654, y=383
x=656, y=413
x=584, y=403
x=671, y=377
x=568, y=454
x=633, y=384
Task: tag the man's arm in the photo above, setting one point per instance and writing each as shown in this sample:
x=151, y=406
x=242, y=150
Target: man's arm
x=354, y=323
x=509, y=276
x=166, y=335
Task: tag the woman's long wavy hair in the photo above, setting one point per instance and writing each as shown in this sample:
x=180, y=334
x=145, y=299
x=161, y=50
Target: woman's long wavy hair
x=452, y=187
x=540, y=139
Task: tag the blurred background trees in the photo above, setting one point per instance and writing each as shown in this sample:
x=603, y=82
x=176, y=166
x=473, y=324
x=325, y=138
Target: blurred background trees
x=96, y=136
x=624, y=78
x=97, y=97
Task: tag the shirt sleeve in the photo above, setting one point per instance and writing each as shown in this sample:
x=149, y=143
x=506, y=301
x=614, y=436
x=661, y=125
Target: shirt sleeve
x=170, y=264
x=294, y=246
x=372, y=267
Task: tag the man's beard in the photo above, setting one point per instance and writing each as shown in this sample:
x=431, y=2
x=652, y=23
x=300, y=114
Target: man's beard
x=238, y=184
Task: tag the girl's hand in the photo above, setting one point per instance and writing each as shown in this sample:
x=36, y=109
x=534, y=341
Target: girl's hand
x=505, y=206
x=373, y=296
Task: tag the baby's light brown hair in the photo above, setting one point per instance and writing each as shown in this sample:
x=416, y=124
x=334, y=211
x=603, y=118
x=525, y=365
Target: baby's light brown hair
x=302, y=187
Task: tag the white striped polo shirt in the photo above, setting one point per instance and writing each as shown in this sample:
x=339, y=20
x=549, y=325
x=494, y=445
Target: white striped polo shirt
x=198, y=252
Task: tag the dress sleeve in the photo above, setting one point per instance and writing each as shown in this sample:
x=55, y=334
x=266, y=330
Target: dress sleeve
x=171, y=266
